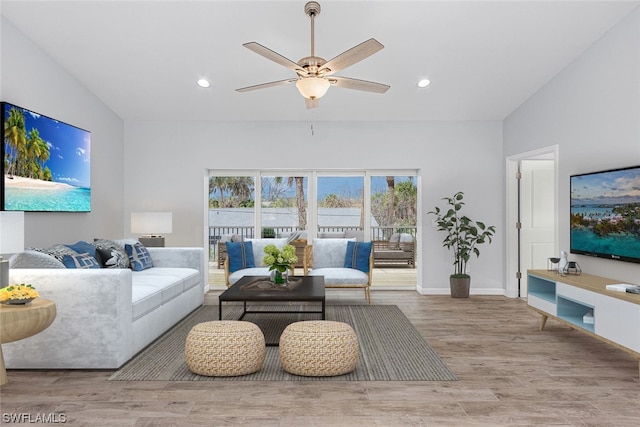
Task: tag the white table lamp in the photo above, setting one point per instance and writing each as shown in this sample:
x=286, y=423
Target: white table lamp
x=11, y=240
x=151, y=225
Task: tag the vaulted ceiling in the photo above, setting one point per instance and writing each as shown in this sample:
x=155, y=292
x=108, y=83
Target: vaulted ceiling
x=484, y=59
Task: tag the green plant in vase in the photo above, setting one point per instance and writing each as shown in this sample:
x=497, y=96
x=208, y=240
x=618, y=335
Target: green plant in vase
x=280, y=261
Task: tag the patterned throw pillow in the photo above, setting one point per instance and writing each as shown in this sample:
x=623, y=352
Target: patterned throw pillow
x=110, y=258
x=56, y=251
x=139, y=257
x=358, y=254
x=34, y=259
x=240, y=255
x=82, y=247
x=80, y=261
x=112, y=254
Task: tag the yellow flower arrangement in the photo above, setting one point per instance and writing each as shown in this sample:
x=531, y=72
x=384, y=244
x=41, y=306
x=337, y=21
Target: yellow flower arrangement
x=18, y=292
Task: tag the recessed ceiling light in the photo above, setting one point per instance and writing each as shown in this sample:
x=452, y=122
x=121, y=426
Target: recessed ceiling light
x=424, y=83
x=204, y=83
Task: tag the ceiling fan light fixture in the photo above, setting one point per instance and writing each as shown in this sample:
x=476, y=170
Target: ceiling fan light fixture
x=313, y=87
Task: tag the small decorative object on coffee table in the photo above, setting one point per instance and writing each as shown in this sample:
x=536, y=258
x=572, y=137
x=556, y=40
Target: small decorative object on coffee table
x=280, y=261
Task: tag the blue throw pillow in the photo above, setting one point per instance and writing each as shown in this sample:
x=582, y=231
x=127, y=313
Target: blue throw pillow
x=240, y=255
x=139, y=257
x=358, y=254
x=80, y=261
x=83, y=248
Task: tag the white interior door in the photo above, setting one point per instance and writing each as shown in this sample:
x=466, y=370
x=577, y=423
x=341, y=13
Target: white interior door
x=537, y=216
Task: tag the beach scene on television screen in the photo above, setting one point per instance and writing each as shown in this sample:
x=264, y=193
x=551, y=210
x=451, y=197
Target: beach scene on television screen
x=46, y=163
x=605, y=213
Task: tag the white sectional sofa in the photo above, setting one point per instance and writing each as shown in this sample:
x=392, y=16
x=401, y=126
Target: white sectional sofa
x=107, y=315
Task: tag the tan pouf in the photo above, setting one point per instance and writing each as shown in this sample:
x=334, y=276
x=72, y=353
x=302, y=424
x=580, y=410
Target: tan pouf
x=225, y=348
x=319, y=348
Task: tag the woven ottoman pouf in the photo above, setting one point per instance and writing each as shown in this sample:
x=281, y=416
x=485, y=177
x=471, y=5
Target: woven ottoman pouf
x=225, y=348
x=319, y=348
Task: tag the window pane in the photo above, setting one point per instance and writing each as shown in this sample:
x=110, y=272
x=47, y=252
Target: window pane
x=231, y=211
x=393, y=206
x=340, y=205
x=284, y=205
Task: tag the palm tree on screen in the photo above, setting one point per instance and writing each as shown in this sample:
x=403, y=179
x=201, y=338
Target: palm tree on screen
x=16, y=136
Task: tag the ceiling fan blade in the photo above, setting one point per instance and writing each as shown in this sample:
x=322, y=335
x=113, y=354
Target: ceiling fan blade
x=352, y=56
x=266, y=85
x=311, y=103
x=274, y=56
x=356, y=84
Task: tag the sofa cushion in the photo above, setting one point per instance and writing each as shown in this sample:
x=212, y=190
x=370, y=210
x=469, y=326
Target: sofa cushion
x=139, y=257
x=354, y=234
x=80, y=261
x=329, y=253
x=145, y=299
x=190, y=276
x=406, y=242
x=258, y=248
x=357, y=256
x=256, y=271
x=341, y=276
x=240, y=255
x=332, y=235
x=165, y=276
x=34, y=259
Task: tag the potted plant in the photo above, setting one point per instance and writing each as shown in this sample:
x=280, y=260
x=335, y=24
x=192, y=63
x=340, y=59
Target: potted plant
x=280, y=261
x=463, y=237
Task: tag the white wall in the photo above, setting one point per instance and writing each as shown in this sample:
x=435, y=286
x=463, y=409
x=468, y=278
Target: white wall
x=592, y=111
x=166, y=164
x=33, y=80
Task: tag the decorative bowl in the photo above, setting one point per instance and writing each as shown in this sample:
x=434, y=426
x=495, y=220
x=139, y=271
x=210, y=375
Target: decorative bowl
x=18, y=301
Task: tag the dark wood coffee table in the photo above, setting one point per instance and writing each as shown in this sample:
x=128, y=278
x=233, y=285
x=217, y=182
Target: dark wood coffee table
x=310, y=289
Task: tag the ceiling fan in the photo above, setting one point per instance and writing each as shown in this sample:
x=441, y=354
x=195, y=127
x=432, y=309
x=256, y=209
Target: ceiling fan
x=315, y=74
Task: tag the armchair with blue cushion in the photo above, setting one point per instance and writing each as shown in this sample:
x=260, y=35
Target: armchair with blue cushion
x=245, y=258
x=344, y=263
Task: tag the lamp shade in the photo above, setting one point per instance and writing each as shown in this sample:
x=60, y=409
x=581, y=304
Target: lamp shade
x=313, y=87
x=151, y=223
x=11, y=232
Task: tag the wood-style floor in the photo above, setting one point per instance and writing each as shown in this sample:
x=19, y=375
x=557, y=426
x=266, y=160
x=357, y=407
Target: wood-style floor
x=510, y=373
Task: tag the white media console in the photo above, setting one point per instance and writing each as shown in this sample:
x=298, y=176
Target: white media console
x=584, y=303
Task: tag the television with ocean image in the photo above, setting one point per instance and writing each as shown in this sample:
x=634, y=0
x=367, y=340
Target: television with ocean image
x=46, y=163
x=605, y=214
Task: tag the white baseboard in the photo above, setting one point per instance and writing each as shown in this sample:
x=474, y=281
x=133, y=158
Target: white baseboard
x=472, y=291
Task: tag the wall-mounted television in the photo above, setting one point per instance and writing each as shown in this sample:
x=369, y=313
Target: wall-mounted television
x=46, y=164
x=605, y=214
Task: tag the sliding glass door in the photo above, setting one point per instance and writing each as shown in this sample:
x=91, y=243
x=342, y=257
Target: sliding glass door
x=370, y=205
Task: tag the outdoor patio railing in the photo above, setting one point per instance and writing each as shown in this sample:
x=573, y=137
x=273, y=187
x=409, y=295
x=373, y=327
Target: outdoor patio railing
x=248, y=232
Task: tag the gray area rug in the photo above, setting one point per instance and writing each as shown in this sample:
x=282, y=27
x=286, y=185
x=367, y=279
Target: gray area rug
x=391, y=349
